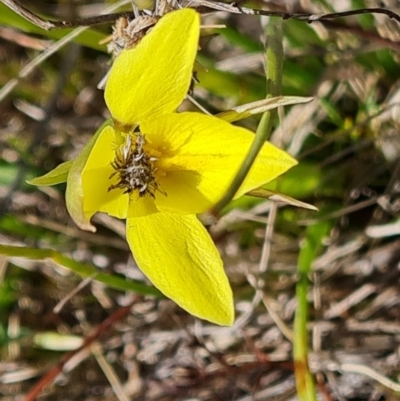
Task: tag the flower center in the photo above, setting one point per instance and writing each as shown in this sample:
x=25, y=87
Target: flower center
x=134, y=168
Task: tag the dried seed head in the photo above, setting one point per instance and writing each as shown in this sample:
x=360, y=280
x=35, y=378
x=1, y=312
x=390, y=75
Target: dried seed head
x=134, y=168
x=128, y=33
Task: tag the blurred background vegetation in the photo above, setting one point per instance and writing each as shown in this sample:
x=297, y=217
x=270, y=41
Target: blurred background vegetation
x=81, y=288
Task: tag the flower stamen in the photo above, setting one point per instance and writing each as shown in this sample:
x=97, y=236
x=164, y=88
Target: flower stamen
x=134, y=168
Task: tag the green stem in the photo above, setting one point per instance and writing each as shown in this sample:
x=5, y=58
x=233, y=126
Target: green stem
x=274, y=63
x=309, y=251
x=79, y=268
x=304, y=378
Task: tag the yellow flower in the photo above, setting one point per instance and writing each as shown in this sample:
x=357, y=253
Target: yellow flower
x=158, y=168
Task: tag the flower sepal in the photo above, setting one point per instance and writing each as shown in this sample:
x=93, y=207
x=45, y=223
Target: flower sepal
x=74, y=195
x=56, y=176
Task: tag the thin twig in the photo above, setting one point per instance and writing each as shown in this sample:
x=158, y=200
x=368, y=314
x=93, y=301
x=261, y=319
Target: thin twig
x=109, y=372
x=79, y=22
x=367, y=371
x=203, y=5
x=79, y=287
x=306, y=17
x=56, y=370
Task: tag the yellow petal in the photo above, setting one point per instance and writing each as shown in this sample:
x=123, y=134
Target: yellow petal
x=96, y=179
x=270, y=163
x=74, y=195
x=178, y=256
x=140, y=206
x=181, y=194
x=212, y=148
x=154, y=77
